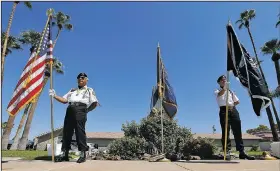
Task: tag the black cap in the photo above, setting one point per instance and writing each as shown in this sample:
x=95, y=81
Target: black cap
x=81, y=75
x=221, y=77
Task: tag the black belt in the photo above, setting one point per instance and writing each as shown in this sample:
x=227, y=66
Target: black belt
x=77, y=104
x=229, y=107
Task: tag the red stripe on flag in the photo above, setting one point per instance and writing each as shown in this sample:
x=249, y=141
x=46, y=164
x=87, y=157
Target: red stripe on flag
x=34, y=80
x=34, y=69
x=31, y=61
x=25, y=100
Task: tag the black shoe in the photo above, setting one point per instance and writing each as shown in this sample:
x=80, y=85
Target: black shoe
x=243, y=155
x=82, y=157
x=63, y=157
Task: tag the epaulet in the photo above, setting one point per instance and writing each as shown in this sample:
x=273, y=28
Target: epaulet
x=73, y=89
x=91, y=89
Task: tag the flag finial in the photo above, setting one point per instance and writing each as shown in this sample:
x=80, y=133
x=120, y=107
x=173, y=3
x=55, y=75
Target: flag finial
x=158, y=44
x=229, y=21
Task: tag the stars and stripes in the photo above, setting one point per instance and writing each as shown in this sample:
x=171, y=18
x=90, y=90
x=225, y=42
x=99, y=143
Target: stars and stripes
x=31, y=80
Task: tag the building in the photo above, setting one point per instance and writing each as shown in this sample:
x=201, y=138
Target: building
x=103, y=139
x=265, y=135
x=248, y=140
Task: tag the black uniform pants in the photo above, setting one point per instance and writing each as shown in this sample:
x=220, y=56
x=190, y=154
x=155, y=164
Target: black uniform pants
x=234, y=123
x=75, y=119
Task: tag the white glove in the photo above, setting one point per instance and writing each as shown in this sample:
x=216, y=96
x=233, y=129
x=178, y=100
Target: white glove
x=52, y=92
x=226, y=86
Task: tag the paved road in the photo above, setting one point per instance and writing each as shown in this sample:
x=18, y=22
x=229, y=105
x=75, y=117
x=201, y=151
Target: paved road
x=93, y=165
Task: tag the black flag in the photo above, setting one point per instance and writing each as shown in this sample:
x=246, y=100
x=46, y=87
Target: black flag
x=245, y=69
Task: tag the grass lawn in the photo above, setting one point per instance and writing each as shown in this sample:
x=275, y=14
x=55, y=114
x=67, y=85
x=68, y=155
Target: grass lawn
x=29, y=155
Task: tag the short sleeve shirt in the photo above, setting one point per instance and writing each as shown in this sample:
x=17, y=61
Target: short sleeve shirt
x=84, y=95
x=221, y=100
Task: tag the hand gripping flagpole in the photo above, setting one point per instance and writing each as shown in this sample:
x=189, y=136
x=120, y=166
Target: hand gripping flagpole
x=49, y=13
x=226, y=118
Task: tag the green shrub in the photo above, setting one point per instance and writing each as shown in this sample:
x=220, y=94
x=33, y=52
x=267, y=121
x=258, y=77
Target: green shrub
x=202, y=147
x=127, y=148
x=254, y=148
x=147, y=135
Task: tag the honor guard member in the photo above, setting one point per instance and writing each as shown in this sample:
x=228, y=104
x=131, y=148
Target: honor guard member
x=233, y=119
x=81, y=100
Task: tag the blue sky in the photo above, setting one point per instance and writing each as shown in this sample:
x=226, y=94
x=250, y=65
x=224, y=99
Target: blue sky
x=115, y=44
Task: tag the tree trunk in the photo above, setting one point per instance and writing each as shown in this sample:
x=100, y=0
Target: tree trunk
x=7, y=132
x=268, y=111
x=277, y=68
x=19, y=130
x=57, y=35
x=24, y=138
x=6, y=42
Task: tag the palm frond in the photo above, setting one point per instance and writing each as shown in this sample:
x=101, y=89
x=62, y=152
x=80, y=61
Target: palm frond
x=240, y=26
x=28, y=4
x=68, y=26
x=30, y=37
x=251, y=14
x=12, y=44
x=275, y=93
x=238, y=21
x=271, y=47
x=58, y=66
x=278, y=23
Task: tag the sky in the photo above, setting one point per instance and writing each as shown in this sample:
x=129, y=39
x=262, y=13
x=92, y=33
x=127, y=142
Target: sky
x=115, y=44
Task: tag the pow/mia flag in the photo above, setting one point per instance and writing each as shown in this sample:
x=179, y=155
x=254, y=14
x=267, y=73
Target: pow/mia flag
x=246, y=70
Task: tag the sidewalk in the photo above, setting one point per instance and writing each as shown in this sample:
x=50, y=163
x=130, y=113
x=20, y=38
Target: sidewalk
x=95, y=165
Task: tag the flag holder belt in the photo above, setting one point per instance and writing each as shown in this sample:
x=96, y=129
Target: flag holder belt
x=77, y=104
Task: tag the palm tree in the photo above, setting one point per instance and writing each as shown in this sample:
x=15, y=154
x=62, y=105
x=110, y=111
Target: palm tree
x=271, y=48
x=28, y=5
x=19, y=130
x=245, y=18
x=61, y=20
x=12, y=44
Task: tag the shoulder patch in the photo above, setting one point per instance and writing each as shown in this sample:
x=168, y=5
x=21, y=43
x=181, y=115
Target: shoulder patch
x=92, y=90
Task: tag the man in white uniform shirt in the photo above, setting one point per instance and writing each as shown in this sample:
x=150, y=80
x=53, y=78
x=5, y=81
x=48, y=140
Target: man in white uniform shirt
x=234, y=121
x=81, y=100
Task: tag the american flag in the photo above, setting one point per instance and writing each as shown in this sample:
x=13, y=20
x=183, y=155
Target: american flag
x=31, y=80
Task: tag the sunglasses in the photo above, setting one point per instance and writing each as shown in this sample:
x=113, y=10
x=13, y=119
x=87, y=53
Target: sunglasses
x=81, y=78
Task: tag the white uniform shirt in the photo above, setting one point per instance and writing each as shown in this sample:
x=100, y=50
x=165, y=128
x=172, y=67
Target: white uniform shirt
x=221, y=100
x=84, y=95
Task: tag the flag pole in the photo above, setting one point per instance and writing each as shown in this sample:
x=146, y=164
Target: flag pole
x=49, y=12
x=160, y=96
x=226, y=118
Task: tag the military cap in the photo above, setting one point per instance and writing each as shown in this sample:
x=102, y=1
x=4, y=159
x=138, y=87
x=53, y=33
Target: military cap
x=82, y=75
x=221, y=77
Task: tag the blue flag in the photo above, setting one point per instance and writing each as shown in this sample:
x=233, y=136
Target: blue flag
x=169, y=100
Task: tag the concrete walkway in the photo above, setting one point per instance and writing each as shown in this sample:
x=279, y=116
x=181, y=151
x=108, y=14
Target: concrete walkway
x=94, y=165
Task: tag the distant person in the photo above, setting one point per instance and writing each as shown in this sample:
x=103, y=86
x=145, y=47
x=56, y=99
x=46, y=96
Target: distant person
x=233, y=119
x=81, y=100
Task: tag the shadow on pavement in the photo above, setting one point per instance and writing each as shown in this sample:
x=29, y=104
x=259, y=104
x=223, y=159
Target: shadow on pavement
x=210, y=162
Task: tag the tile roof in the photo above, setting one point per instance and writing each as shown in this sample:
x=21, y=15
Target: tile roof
x=218, y=136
